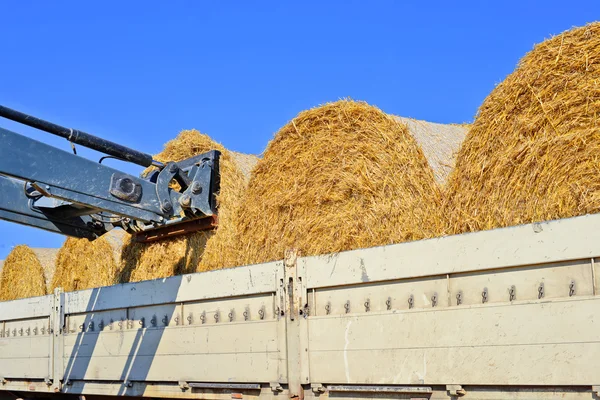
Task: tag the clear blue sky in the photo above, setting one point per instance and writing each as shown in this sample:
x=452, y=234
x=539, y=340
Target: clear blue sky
x=138, y=72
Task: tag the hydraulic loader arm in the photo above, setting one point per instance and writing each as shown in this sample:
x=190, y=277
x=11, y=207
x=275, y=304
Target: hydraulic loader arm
x=51, y=189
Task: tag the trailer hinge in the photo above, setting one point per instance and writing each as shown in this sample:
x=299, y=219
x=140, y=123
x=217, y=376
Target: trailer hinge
x=3, y=380
x=276, y=387
x=318, y=388
x=596, y=390
x=456, y=390
x=48, y=381
x=183, y=385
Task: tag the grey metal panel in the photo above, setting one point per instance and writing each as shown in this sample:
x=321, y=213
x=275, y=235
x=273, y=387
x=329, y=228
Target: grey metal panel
x=32, y=307
x=24, y=357
x=254, y=279
x=228, y=352
x=560, y=240
x=533, y=343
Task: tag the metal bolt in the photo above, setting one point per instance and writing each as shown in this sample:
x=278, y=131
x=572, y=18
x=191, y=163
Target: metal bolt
x=196, y=188
x=541, y=290
x=173, y=168
x=434, y=300
x=185, y=201
x=484, y=295
x=411, y=301
x=166, y=206
x=328, y=308
x=347, y=306
x=368, y=305
x=388, y=303
x=571, y=288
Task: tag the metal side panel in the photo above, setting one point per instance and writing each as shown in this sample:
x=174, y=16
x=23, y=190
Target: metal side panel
x=240, y=281
x=229, y=352
x=552, y=343
x=26, y=308
x=219, y=326
x=545, y=242
x=25, y=357
x=25, y=338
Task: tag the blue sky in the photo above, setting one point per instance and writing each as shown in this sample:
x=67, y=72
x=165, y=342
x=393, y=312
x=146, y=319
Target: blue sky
x=139, y=72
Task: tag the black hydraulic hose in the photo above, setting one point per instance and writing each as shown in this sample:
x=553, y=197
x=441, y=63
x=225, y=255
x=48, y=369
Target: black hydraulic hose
x=81, y=138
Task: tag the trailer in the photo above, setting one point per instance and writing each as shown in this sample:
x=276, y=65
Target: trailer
x=510, y=313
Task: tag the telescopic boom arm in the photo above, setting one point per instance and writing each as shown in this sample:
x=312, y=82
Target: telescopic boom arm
x=51, y=189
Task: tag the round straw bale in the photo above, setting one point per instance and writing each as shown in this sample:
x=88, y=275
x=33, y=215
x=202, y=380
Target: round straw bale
x=84, y=264
x=341, y=176
x=533, y=152
x=184, y=254
x=24, y=272
x=161, y=259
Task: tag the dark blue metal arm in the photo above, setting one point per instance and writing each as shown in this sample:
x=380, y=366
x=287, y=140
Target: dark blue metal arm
x=67, y=176
x=16, y=206
x=87, y=188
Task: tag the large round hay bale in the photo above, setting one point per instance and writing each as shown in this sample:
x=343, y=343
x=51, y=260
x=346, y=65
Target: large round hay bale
x=83, y=264
x=337, y=177
x=26, y=271
x=161, y=259
x=184, y=254
x=533, y=151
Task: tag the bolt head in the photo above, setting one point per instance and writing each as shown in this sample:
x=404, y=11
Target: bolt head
x=167, y=206
x=196, y=188
x=185, y=200
x=173, y=168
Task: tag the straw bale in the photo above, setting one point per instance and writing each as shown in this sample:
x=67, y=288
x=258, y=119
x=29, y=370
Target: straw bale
x=184, y=254
x=161, y=259
x=24, y=272
x=340, y=176
x=533, y=152
x=83, y=264
x=440, y=144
